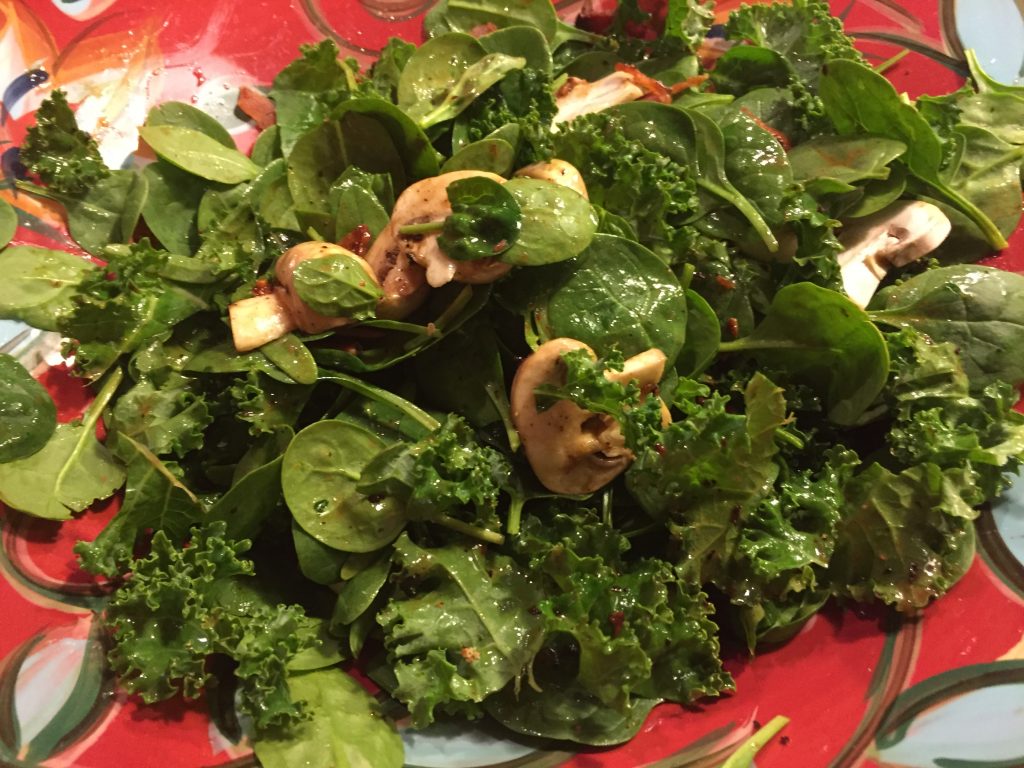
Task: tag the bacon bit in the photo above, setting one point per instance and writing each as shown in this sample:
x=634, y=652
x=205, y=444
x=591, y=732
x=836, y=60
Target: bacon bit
x=262, y=287
x=654, y=90
x=471, y=655
x=660, y=449
x=483, y=29
x=569, y=86
x=358, y=240
x=734, y=327
x=690, y=82
x=500, y=246
x=782, y=138
x=725, y=282
x=257, y=105
x=616, y=619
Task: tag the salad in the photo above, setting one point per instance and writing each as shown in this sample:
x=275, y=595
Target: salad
x=521, y=369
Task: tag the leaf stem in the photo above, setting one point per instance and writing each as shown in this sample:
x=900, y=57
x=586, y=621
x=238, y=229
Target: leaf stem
x=473, y=531
x=744, y=756
x=426, y=228
x=744, y=206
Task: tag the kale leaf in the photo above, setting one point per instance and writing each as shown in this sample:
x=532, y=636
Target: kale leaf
x=176, y=611
x=65, y=157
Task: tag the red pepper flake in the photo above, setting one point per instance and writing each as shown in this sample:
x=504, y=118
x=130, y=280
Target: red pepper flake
x=784, y=740
x=470, y=654
x=358, y=240
x=734, y=327
x=725, y=282
x=616, y=618
x=648, y=389
x=262, y=287
x=782, y=138
x=660, y=449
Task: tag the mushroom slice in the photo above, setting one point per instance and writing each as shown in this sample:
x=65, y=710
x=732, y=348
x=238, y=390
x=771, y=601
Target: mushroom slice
x=579, y=97
x=261, y=319
x=572, y=450
x=558, y=172
x=403, y=281
x=893, y=237
x=426, y=201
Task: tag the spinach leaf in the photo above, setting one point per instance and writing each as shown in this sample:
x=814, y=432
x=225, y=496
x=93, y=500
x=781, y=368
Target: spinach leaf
x=557, y=223
x=71, y=471
x=154, y=500
x=821, y=338
x=520, y=40
x=8, y=222
x=361, y=199
x=318, y=562
x=485, y=220
x=358, y=593
x=856, y=98
x=28, y=416
x=980, y=310
x=40, y=284
x=445, y=74
x=618, y=295
x=467, y=15
x=337, y=286
x=292, y=357
x=346, y=727
x=256, y=494
x=171, y=206
x=186, y=116
x=492, y=155
x=703, y=334
x=459, y=628
x=198, y=154
x=834, y=163
x=319, y=475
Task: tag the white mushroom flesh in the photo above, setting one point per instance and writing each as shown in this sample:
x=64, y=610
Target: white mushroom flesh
x=260, y=319
x=895, y=236
x=572, y=450
x=427, y=201
x=579, y=97
x=557, y=171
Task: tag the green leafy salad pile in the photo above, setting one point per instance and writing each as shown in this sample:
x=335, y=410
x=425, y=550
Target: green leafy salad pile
x=367, y=482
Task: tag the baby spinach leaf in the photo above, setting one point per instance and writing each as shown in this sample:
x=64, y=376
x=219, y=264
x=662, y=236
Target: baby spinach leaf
x=186, y=116
x=171, y=206
x=28, y=416
x=980, y=310
x=337, y=286
x=703, y=334
x=346, y=727
x=467, y=15
x=358, y=593
x=520, y=40
x=843, y=159
x=8, y=222
x=361, y=199
x=619, y=295
x=154, y=500
x=318, y=562
x=292, y=358
x=40, y=284
x=492, y=155
x=71, y=471
x=857, y=98
x=821, y=338
x=485, y=220
x=254, y=496
x=557, y=223
x=199, y=154
x=446, y=74
x=319, y=476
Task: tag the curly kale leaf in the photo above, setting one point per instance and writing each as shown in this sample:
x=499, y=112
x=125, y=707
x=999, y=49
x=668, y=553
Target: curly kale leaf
x=172, y=615
x=447, y=473
x=65, y=157
x=458, y=628
x=523, y=98
x=119, y=308
x=620, y=635
x=266, y=404
x=803, y=32
x=655, y=194
x=168, y=419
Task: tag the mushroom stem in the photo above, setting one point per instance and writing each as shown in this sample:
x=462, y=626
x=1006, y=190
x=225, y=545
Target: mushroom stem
x=895, y=236
x=259, y=320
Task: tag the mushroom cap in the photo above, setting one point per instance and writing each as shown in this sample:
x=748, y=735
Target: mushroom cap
x=570, y=449
x=305, y=318
x=557, y=171
x=426, y=201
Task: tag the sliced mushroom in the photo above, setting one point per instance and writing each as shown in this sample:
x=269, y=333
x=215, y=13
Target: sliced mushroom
x=572, y=450
x=427, y=201
x=557, y=171
x=403, y=281
x=895, y=236
x=261, y=319
x=579, y=97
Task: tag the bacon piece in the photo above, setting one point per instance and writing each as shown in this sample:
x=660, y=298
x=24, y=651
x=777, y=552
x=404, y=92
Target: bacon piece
x=258, y=106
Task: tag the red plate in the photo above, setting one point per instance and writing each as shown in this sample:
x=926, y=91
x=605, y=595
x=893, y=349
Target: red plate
x=862, y=687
